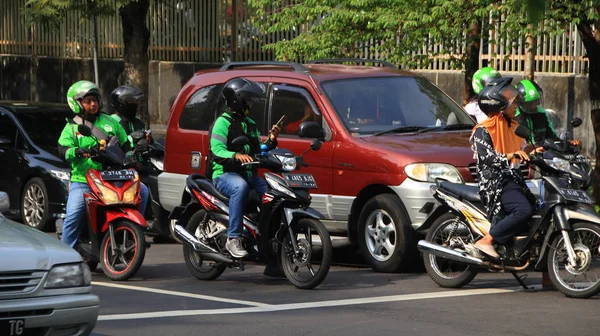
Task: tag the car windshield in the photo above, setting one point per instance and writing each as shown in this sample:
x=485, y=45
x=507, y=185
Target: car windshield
x=379, y=105
x=44, y=126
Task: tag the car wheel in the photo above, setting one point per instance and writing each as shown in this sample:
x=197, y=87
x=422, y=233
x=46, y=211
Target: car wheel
x=34, y=205
x=385, y=237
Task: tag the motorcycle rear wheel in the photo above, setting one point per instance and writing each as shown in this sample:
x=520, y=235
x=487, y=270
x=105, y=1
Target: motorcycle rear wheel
x=201, y=269
x=585, y=238
x=131, y=250
x=292, y=264
x=447, y=273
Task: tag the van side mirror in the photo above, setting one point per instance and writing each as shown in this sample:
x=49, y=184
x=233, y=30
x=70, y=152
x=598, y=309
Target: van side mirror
x=316, y=145
x=310, y=129
x=576, y=122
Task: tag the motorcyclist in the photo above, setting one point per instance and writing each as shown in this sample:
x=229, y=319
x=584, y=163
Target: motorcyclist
x=224, y=161
x=85, y=100
x=531, y=114
x=125, y=101
x=480, y=79
x=508, y=200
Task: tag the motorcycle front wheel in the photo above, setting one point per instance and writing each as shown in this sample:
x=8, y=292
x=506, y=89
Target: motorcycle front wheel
x=123, y=262
x=450, y=232
x=195, y=263
x=307, y=267
x=581, y=280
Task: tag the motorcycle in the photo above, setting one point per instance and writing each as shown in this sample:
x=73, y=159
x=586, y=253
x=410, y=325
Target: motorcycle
x=563, y=236
x=114, y=234
x=280, y=224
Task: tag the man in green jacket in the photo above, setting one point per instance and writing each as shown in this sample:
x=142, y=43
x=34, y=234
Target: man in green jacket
x=85, y=100
x=224, y=166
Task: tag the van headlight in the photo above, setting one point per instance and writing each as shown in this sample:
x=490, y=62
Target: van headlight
x=429, y=172
x=73, y=275
x=287, y=163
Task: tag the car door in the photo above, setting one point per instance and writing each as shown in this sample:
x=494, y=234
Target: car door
x=295, y=100
x=12, y=158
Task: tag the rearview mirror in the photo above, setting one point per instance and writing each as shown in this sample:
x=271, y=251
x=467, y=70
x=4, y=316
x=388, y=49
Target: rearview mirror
x=523, y=132
x=4, y=202
x=5, y=142
x=310, y=129
x=84, y=130
x=242, y=140
x=576, y=122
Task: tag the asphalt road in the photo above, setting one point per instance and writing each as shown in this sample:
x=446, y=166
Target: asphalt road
x=164, y=299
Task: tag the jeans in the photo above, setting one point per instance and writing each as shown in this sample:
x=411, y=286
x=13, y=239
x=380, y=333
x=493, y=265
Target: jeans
x=237, y=188
x=517, y=210
x=74, y=219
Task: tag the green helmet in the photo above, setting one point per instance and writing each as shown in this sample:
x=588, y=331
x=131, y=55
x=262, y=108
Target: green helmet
x=79, y=90
x=482, y=77
x=531, y=95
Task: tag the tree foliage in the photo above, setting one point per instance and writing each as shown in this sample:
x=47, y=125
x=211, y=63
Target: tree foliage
x=51, y=13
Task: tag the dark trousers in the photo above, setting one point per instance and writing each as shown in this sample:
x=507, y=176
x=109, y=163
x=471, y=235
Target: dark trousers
x=517, y=210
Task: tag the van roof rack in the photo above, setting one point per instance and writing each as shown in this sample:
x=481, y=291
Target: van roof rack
x=296, y=66
x=355, y=60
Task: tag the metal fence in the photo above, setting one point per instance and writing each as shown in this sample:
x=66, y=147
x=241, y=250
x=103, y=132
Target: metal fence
x=201, y=31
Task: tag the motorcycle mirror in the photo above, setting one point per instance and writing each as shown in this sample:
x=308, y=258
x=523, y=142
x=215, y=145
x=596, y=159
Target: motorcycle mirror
x=316, y=145
x=310, y=129
x=242, y=140
x=523, y=132
x=576, y=122
x=84, y=130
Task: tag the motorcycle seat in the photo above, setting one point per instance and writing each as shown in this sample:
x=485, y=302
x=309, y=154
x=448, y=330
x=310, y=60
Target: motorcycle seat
x=467, y=192
x=200, y=182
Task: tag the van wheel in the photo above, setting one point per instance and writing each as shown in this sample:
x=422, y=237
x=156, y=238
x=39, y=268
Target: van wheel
x=385, y=237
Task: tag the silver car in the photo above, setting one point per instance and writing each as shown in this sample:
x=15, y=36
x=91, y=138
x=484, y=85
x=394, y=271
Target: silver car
x=45, y=288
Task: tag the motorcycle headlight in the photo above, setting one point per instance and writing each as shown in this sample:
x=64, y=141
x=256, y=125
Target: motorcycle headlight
x=278, y=186
x=109, y=196
x=63, y=276
x=287, y=163
x=429, y=172
x=129, y=195
x=559, y=164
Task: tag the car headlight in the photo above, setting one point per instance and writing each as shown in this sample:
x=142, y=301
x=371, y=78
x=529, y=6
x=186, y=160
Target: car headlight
x=429, y=172
x=109, y=196
x=559, y=164
x=278, y=186
x=287, y=163
x=61, y=175
x=74, y=275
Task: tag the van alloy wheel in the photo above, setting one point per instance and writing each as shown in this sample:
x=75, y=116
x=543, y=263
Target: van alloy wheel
x=380, y=235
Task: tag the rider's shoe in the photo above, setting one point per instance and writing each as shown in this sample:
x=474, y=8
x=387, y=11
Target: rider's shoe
x=234, y=246
x=488, y=250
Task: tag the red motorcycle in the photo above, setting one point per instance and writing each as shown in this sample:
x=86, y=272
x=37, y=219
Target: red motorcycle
x=114, y=234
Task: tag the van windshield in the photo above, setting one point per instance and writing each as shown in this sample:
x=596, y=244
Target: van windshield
x=373, y=105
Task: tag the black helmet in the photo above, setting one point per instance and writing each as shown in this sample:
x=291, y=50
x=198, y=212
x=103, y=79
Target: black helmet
x=125, y=100
x=493, y=96
x=240, y=93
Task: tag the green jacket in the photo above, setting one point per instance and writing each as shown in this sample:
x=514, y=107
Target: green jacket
x=70, y=140
x=226, y=128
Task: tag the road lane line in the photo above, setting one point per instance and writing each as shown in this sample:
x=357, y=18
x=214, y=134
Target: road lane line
x=183, y=294
x=308, y=305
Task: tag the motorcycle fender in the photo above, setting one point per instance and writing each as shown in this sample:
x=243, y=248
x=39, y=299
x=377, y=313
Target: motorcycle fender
x=292, y=215
x=435, y=214
x=130, y=214
x=580, y=212
x=184, y=213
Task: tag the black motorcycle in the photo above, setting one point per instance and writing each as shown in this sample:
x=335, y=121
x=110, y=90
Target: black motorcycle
x=278, y=225
x=562, y=237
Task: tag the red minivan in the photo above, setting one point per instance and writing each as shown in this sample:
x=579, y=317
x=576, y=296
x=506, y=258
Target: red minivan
x=389, y=135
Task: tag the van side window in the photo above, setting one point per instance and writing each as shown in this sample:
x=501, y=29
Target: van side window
x=197, y=113
x=297, y=104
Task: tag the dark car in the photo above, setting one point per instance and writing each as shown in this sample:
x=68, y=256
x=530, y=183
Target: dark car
x=31, y=171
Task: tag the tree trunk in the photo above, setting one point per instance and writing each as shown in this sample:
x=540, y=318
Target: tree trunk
x=136, y=37
x=591, y=41
x=530, y=54
x=472, y=60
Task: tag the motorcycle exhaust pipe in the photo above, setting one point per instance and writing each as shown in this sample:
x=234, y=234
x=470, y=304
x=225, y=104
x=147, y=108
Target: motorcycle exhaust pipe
x=205, y=251
x=442, y=252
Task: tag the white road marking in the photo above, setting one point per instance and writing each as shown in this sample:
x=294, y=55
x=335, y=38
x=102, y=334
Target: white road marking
x=174, y=293
x=306, y=305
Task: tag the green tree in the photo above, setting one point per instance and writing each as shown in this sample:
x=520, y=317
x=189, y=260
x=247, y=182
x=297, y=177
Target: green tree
x=136, y=36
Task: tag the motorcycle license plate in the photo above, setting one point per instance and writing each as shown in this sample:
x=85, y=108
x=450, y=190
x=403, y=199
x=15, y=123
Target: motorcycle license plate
x=14, y=327
x=117, y=175
x=576, y=195
x=300, y=181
